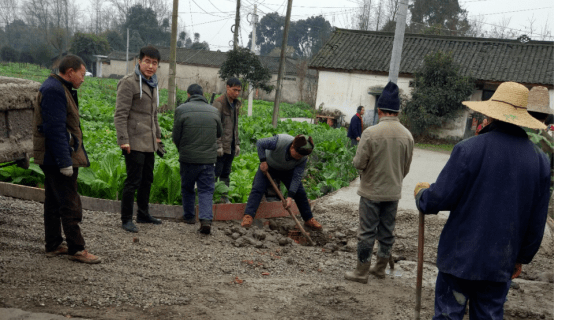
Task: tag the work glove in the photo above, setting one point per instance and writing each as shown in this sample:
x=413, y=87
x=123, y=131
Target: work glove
x=237, y=151
x=419, y=186
x=516, y=271
x=67, y=171
x=161, y=151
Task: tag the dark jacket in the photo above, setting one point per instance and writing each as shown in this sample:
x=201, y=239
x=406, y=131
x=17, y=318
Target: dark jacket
x=355, y=129
x=229, y=119
x=197, y=125
x=496, y=186
x=57, y=135
x=136, y=117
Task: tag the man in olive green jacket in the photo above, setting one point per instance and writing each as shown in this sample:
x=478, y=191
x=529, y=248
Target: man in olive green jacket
x=197, y=125
x=229, y=143
x=138, y=135
x=383, y=158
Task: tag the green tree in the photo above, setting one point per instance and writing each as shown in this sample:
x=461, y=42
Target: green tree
x=9, y=54
x=306, y=36
x=246, y=66
x=85, y=45
x=115, y=40
x=438, y=93
x=144, y=21
x=445, y=17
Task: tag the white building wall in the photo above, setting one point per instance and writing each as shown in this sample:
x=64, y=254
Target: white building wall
x=347, y=91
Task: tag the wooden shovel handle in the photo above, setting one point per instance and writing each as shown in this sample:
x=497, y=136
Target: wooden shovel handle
x=280, y=195
x=421, y=239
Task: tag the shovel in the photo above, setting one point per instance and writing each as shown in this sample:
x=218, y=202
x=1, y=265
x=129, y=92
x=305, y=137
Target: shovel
x=288, y=209
x=420, y=266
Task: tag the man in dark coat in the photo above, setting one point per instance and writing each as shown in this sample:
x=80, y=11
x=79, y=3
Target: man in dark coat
x=197, y=125
x=496, y=186
x=284, y=157
x=356, y=126
x=59, y=151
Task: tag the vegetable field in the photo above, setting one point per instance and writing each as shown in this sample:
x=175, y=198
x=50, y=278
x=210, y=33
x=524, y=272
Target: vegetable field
x=329, y=167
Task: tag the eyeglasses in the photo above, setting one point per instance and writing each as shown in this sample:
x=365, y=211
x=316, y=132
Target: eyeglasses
x=153, y=63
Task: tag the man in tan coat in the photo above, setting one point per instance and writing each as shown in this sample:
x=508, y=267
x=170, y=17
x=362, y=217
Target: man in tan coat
x=228, y=145
x=383, y=157
x=138, y=135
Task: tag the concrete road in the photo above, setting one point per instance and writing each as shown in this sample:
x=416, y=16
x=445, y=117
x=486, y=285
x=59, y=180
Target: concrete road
x=426, y=166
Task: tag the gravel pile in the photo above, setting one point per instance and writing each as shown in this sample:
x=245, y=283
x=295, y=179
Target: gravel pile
x=171, y=270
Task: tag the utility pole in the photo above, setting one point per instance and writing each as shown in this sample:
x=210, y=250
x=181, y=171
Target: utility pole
x=127, y=55
x=173, y=45
x=251, y=90
x=281, y=72
x=398, y=41
x=236, y=25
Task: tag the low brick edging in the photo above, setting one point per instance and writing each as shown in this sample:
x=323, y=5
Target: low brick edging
x=234, y=211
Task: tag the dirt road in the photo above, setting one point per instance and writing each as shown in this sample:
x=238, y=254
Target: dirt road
x=173, y=272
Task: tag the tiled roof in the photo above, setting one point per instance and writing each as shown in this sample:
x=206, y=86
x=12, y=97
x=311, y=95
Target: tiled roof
x=207, y=58
x=482, y=58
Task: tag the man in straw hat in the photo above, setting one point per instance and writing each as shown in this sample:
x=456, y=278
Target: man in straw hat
x=539, y=108
x=284, y=157
x=383, y=157
x=496, y=186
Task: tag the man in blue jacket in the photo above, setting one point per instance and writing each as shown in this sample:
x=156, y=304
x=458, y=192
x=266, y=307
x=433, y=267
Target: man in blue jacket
x=356, y=126
x=496, y=186
x=59, y=151
x=197, y=125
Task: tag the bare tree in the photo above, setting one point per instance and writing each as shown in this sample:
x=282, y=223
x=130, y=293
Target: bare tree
x=97, y=6
x=8, y=11
x=502, y=30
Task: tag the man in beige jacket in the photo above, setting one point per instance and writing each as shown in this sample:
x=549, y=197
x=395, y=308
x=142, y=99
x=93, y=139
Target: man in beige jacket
x=228, y=145
x=138, y=135
x=383, y=157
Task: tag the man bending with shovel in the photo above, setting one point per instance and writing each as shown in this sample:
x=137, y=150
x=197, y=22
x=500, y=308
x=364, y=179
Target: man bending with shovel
x=284, y=157
x=496, y=186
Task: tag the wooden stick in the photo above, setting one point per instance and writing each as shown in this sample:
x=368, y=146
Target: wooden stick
x=288, y=209
x=421, y=230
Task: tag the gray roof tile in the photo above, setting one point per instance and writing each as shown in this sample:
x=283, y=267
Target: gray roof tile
x=482, y=58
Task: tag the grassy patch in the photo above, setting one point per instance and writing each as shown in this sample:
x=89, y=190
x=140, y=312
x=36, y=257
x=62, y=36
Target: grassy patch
x=447, y=147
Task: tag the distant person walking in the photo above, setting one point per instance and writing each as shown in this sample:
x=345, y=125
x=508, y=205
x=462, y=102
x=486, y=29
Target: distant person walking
x=138, y=135
x=228, y=145
x=197, y=125
x=383, y=158
x=496, y=187
x=356, y=126
x=59, y=151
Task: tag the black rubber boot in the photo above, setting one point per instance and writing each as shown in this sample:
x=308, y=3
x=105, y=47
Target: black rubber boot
x=205, y=226
x=130, y=226
x=148, y=219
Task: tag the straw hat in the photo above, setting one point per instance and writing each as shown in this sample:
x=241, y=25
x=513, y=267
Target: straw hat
x=508, y=104
x=539, y=100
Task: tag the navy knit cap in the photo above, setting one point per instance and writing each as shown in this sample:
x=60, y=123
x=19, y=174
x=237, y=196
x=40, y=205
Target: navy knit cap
x=389, y=100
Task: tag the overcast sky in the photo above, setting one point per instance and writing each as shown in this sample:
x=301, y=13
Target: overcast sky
x=213, y=19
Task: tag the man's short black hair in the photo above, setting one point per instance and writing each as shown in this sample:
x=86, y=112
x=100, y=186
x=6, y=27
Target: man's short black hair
x=149, y=51
x=195, y=89
x=359, y=108
x=233, y=82
x=70, y=61
x=539, y=115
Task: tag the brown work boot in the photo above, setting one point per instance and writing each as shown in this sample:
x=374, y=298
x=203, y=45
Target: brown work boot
x=313, y=224
x=60, y=250
x=378, y=269
x=247, y=221
x=85, y=257
x=360, y=274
